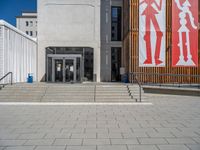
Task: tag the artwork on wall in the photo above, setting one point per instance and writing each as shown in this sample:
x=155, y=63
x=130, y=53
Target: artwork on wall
x=152, y=27
x=185, y=33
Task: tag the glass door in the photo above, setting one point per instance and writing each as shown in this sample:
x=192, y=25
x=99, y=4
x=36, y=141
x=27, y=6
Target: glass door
x=58, y=70
x=65, y=69
x=69, y=70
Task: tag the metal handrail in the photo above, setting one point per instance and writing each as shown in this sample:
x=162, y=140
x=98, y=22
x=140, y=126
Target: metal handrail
x=171, y=80
x=167, y=74
x=11, y=78
x=131, y=75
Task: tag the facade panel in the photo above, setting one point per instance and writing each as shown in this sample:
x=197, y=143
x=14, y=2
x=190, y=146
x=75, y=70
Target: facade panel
x=68, y=24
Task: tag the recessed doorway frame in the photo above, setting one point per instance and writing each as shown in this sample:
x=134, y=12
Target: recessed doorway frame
x=66, y=57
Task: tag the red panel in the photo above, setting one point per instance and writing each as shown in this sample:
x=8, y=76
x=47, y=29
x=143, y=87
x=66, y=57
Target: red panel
x=184, y=26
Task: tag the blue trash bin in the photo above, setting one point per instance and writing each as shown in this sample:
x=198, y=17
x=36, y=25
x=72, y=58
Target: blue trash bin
x=30, y=78
x=125, y=78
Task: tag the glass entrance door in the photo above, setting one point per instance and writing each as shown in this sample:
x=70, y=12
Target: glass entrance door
x=65, y=69
x=69, y=70
x=58, y=71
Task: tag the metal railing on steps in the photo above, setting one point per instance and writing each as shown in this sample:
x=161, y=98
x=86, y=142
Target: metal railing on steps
x=168, y=79
x=2, y=85
x=133, y=79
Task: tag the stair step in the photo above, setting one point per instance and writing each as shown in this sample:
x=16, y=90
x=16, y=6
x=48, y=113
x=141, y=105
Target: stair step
x=68, y=92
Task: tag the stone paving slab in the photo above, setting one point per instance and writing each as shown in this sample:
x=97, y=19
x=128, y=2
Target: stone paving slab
x=194, y=146
x=20, y=148
x=173, y=147
x=114, y=147
x=142, y=147
x=171, y=123
x=50, y=148
x=81, y=148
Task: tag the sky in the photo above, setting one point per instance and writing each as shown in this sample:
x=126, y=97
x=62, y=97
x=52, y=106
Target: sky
x=9, y=9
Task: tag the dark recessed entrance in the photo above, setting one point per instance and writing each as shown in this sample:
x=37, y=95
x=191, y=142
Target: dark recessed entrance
x=115, y=64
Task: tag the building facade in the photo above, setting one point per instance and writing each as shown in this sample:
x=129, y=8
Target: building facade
x=27, y=23
x=96, y=40
x=131, y=48
x=80, y=40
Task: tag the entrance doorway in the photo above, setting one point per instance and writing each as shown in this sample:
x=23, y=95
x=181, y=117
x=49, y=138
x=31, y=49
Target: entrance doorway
x=67, y=68
x=69, y=64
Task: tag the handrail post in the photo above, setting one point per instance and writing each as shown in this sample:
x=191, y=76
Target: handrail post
x=140, y=89
x=11, y=78
x=135, y=78
x=140, y=94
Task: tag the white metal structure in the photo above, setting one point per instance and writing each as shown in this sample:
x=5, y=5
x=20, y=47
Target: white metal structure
x=18, y=53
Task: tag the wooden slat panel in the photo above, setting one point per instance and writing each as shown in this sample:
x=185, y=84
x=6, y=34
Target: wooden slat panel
x=131, y=48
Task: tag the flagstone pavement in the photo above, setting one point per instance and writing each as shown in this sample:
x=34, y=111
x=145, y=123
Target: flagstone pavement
x=170, y=123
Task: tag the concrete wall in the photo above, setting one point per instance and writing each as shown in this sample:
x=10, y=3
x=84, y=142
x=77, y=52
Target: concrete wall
x=106, y=42
x=68, y=23
x=18, y=53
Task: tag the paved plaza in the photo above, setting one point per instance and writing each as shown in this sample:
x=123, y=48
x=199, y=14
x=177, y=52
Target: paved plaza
x=169, y=123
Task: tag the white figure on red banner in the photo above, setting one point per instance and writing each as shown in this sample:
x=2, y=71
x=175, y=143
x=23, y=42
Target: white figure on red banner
x=185, y=30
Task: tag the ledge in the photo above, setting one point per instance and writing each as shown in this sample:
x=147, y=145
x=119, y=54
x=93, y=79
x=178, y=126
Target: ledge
x=172, y=90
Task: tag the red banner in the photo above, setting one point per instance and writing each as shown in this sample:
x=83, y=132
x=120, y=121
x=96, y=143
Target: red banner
x=152, y=23
x=185, y=33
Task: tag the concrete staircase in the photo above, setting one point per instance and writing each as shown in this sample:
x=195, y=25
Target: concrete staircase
x=112, y=93
x=91, y=92
x=69, y=93
x=22, y=93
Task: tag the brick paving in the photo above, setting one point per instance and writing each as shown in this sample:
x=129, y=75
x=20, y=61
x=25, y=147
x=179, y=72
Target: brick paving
x=171, y=123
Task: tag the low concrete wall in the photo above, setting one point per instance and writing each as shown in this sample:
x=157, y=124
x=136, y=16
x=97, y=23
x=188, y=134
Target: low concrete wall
x=172, y=91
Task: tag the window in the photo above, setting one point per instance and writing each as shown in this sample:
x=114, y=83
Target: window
x=31, y=33
x=36, y=33
x=31, y=23
x=27, y=23
x=27, y=32
x=116, y=23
